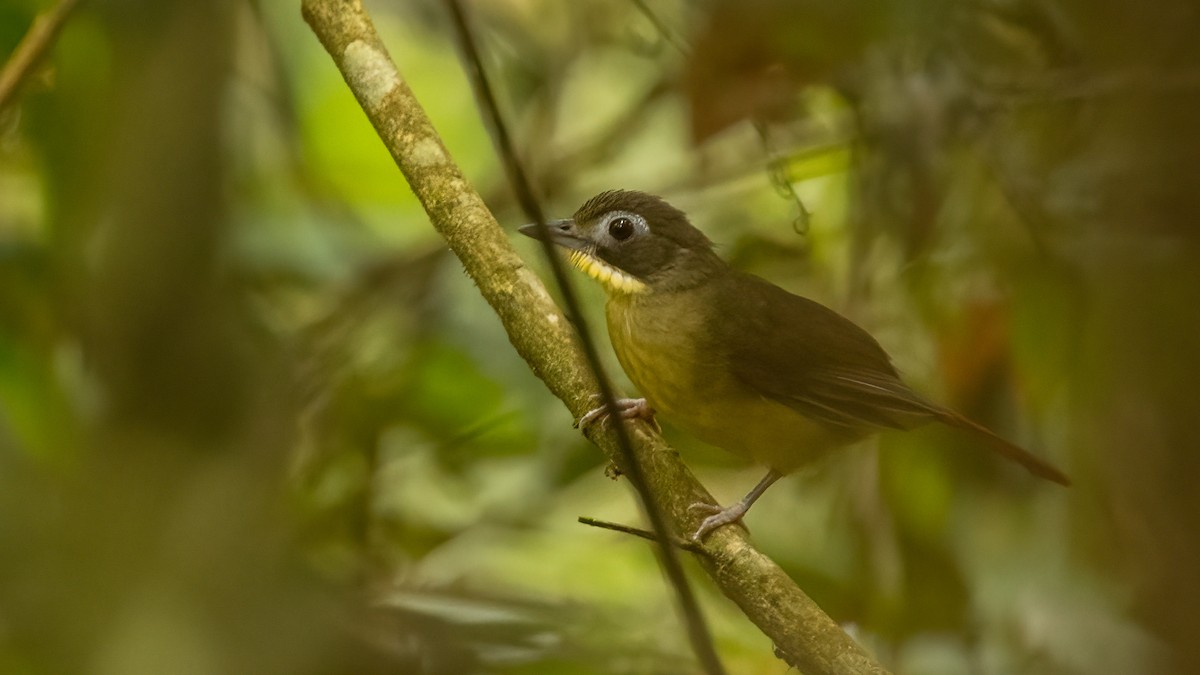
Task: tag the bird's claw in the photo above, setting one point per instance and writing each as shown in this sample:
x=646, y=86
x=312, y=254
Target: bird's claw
x=704, y=507
x=718, y=517
x=627, y=408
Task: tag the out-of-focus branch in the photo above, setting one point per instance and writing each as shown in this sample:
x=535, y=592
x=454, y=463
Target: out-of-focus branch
x=804, y=634
x=32, y=48
x=693, y=618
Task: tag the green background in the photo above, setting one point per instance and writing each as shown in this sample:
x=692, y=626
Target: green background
x=255, y=419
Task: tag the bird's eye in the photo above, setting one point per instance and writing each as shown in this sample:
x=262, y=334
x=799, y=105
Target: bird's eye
x=620, y=228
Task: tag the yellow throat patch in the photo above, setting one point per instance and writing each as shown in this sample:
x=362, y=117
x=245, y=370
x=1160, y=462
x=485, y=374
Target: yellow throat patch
x=612, y=279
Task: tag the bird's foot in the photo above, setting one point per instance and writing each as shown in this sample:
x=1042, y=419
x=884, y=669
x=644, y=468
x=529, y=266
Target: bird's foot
x=718, y=517
x=731, y=514
x=627, y=408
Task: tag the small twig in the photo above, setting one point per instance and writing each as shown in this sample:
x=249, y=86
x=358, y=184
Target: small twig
x=1069, y=85
x=781, y=181
x=661, y=27
x=41, y=36
x=685, y=544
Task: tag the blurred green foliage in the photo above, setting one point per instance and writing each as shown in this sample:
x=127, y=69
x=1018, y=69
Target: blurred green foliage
x=253, y=418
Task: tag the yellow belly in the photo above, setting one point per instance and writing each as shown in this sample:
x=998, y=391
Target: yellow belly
x=687, y=382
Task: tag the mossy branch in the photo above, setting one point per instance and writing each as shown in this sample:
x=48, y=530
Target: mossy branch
x=802, y=632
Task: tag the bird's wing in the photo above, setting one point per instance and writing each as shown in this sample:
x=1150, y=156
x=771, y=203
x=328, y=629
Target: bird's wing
x=808, y=357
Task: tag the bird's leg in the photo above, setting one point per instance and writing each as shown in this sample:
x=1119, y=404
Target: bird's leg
x=627, y=408
x=731, y=514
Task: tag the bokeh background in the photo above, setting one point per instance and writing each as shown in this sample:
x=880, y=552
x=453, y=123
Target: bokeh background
x=254, y=419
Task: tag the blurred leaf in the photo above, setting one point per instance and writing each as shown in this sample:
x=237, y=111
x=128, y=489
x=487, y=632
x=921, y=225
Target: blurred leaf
x=751, y=58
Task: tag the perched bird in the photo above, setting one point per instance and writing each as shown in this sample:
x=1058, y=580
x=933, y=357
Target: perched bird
x=735, y=360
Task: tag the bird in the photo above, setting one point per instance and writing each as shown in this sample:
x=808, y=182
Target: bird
x=734, y=360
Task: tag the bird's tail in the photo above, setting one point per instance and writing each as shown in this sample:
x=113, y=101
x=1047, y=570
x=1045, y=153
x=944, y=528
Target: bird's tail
x=1010, y=451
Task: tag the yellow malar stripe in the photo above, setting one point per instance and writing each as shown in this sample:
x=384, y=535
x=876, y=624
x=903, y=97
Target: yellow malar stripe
x=613, y=279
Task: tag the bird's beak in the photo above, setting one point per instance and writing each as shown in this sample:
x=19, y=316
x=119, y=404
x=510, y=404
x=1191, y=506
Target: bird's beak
x=560, y=232
x=565, y=233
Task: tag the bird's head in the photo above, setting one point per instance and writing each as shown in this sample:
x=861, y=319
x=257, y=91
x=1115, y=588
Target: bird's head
x=632, y=242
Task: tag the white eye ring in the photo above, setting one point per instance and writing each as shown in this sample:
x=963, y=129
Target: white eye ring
x=621, y=228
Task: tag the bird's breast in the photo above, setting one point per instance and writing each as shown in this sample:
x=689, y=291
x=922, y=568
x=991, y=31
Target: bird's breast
x=661, y=352
x=665, y=346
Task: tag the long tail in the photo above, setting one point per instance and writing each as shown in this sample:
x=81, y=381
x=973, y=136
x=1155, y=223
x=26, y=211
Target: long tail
x=1010, y=451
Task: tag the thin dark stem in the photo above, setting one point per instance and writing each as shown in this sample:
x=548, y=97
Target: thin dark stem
x=41, y=36
x=685, y=544
x=697, y=629
x=777, y=168
x=661, y=27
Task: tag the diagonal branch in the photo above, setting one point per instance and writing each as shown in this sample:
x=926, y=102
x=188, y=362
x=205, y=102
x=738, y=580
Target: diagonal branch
x=32, y=48
x=805, y=635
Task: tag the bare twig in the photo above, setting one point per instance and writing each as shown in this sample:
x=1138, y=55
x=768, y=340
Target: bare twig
x=685, y=544
x=781, y=181
x=542, y=336
x=32, y=48
x=1073, y=85
x=661, y=26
